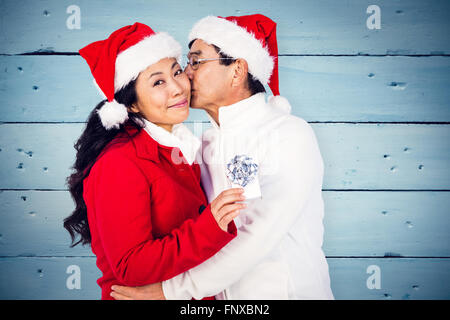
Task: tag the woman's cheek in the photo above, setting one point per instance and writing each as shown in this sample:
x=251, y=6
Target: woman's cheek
x=159, y=98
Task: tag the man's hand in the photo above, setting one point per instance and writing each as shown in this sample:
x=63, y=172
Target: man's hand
x=148, y=292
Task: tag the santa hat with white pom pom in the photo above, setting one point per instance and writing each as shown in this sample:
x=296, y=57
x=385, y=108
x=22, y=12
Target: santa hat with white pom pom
x=118, y=60
x=252, y=38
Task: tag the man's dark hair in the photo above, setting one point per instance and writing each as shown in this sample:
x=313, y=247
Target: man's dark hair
x=254, y=85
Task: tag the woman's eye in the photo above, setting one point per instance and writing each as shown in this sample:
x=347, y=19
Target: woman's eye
x=157, y=83
x=178, y=72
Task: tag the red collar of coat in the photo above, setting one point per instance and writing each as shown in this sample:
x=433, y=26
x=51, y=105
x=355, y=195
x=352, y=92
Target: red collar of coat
x=146, y=147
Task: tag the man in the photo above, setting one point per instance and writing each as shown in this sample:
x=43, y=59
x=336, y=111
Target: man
x=277, y=253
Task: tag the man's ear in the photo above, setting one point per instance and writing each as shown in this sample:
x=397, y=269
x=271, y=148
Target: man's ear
x=240, y=72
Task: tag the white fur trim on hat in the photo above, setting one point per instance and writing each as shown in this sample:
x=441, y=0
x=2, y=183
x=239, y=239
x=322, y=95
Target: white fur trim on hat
x=135, y=59
x=112, y=114
x=235, y=42
x=281, y=103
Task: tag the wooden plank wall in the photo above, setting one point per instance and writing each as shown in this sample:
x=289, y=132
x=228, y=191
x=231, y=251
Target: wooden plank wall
x=377, y=99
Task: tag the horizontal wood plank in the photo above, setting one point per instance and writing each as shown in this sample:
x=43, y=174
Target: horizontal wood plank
x=349, y=89
x=333, y=27
x=46, y=278
x=356, y=224
x=356, y=156
x=400, y=278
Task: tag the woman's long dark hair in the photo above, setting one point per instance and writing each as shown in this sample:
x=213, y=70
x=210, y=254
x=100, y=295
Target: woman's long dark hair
x=89, y=146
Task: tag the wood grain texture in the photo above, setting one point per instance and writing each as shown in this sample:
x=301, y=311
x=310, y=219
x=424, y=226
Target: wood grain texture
x=357, y=223
x=356, y=156
x=304, y=27
x=357, y=89
x=378, y=100
x=39, y=278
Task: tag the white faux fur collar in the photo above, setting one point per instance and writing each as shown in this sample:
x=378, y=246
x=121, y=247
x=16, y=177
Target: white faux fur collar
x=180, y=137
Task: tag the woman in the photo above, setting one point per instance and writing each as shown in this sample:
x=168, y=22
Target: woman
x=139, y=202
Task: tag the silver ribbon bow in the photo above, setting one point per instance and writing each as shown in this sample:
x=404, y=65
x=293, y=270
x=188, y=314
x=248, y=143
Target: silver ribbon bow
x=241, y=170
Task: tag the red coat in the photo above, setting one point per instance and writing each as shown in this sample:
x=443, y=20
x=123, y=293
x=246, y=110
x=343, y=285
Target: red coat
x=144, y=214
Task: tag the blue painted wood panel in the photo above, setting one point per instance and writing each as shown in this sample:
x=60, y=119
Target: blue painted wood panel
x=405, y=278
x=359, y=89
x=357, y=223
x=356, y=156
x=401, y=278
x=304, y=27
x=378, y=100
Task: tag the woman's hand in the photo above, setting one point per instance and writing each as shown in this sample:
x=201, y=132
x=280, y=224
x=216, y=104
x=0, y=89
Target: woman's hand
x=225, y=207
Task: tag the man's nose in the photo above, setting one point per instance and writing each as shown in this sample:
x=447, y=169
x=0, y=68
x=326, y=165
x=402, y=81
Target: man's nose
x=188, y=71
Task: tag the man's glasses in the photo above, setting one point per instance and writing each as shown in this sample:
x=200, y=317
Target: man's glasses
x=195, y=61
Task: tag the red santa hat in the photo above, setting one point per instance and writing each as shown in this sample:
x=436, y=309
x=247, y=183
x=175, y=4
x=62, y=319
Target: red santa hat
x=251, y=37
x=119, y=59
